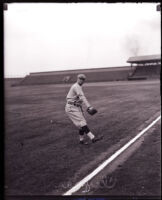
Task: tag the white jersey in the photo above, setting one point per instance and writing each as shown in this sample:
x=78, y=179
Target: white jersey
x=76, y=93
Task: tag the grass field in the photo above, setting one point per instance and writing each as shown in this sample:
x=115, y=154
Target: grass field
x=42, y=157
x=140, y=174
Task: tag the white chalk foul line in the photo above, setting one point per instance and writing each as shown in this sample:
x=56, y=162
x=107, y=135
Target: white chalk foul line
x=110, y=159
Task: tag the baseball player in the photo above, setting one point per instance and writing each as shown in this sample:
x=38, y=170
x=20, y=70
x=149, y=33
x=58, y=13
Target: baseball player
x=73, y=108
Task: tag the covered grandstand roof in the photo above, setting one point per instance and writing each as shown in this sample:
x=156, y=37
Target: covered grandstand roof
x=145, y=59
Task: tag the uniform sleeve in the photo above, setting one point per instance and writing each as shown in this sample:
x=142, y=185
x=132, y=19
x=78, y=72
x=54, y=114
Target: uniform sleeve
x=81, y=95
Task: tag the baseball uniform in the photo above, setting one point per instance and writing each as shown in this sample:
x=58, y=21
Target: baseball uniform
x=75, y=98
x=73, y=108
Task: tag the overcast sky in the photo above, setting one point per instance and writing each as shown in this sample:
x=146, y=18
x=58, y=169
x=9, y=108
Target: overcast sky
x=57, y=36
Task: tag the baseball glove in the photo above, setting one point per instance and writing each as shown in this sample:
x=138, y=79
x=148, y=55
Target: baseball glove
x=91, y=110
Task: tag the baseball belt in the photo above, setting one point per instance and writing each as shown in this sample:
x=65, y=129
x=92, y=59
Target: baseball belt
x=73, y=103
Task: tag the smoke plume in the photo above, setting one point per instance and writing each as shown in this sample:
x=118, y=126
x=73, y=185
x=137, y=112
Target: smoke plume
x=132, y=45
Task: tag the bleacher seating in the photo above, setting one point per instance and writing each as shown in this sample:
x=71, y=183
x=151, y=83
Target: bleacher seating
x=146, y=72
x=94, y=75
x=98, y=75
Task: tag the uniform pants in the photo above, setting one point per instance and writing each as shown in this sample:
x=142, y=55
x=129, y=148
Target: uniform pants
x=76, y=115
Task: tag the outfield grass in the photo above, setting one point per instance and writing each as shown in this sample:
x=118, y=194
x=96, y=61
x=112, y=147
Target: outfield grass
x=41, y=157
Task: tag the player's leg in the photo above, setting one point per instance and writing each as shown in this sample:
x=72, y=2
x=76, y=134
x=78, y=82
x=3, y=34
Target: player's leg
x=91, y=136
x=78, y=120
x=81, y=136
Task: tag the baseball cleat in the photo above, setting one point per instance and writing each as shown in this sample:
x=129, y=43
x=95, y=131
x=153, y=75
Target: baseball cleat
x=97, y=139
x=83, y=142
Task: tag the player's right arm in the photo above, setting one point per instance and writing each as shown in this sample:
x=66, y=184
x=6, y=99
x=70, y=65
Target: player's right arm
x=79, y=92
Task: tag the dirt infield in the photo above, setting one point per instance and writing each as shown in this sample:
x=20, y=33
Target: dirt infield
x=43, y=157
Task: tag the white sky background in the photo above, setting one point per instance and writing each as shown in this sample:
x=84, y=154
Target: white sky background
x=60, y=36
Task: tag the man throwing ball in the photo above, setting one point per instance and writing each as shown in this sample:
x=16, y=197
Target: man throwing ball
x=75, y=98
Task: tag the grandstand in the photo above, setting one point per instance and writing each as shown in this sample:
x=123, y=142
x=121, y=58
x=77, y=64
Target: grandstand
x=142, y=67
x=69, y=76
x=12, y=81
x=145, y=67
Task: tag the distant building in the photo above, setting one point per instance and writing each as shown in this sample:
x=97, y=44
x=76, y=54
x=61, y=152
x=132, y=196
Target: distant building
x=144, y=67
x=145, y=60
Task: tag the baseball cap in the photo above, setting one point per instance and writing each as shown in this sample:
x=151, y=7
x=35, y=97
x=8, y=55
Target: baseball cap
x=81, y=76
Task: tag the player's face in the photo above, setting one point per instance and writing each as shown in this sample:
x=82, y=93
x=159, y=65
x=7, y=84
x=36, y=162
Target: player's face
x=81, y=81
